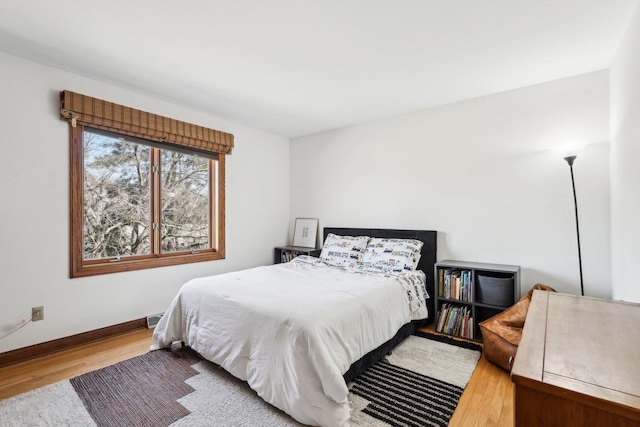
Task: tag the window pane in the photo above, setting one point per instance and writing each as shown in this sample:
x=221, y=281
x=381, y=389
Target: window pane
x=185, y=202
x=116, y=197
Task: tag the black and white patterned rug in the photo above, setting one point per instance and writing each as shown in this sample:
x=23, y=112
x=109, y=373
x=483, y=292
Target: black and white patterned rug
x=419, y=384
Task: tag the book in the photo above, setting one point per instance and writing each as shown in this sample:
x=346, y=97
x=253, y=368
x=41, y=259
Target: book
x=455, y=284
x=455, y=320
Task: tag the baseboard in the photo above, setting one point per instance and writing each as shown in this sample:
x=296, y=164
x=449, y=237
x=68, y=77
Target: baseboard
x=45, y=348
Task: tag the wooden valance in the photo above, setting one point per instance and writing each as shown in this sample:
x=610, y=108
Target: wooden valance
x=96, y=113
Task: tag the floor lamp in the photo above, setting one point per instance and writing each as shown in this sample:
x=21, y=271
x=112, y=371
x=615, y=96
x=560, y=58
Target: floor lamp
x=570, y=160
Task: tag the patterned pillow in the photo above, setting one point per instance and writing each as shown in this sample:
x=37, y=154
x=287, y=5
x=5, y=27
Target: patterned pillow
x=392, y=254
x=344, y=251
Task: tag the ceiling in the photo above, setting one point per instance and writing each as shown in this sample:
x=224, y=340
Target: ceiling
x=297, y=67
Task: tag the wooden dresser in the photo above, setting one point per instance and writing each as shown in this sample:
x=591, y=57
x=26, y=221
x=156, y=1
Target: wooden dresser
x=578, y=363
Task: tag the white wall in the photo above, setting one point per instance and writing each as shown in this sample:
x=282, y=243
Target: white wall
x=34, y=213
x=625, y=164
x=481, y=172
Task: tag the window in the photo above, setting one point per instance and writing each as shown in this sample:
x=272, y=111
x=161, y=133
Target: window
x=138, y=203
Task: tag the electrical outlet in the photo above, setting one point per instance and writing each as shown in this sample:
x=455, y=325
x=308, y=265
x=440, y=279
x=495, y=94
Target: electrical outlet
x=37, y=313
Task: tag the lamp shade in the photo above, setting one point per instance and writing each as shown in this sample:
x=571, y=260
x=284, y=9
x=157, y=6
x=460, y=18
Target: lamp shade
x=569, y=149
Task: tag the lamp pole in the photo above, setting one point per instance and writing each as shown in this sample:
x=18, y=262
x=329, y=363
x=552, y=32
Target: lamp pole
x=570, y=160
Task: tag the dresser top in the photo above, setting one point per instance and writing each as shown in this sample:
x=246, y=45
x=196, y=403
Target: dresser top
x=584, y=345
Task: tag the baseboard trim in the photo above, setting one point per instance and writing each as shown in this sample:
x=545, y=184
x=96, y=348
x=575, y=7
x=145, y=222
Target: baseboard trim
x=49, y=347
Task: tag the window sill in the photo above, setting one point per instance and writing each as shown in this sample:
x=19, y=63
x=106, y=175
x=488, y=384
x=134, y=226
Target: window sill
x=93, y=268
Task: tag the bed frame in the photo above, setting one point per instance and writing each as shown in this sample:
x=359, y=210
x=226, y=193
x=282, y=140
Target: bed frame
x=426, y=264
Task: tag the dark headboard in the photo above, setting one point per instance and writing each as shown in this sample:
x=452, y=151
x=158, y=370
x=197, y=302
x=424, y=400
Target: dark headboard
x=427, y=259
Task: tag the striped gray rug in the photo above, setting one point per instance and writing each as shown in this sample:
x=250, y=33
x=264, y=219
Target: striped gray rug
x=419, y=384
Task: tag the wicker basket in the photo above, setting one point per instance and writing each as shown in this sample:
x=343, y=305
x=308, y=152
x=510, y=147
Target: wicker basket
x=495, y=290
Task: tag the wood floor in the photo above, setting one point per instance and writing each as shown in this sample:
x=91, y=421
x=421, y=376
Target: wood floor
x=487, y=400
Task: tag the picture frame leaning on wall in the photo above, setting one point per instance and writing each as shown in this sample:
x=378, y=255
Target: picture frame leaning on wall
x=305, y=232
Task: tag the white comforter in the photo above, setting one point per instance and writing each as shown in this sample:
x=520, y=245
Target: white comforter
x=292, y=330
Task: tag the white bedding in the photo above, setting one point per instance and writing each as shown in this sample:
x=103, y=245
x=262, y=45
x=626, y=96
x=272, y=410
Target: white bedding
x=292, y=330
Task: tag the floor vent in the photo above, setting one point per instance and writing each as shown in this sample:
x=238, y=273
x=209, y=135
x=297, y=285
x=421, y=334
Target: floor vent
x=153, y=320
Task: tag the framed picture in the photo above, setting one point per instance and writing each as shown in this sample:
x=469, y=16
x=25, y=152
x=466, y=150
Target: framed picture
x=305, y=232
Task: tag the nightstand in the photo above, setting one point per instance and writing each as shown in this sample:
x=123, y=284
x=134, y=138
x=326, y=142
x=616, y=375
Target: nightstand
x=287, y=253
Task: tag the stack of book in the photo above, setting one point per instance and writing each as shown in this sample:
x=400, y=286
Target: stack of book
x=287, y=256
x=455, y=284
x=455, y=320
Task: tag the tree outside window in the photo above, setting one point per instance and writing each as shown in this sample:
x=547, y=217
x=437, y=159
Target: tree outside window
x=143, y=206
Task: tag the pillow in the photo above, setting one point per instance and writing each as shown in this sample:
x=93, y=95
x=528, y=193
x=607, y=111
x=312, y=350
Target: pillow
x=343, y=251
x=392, y=254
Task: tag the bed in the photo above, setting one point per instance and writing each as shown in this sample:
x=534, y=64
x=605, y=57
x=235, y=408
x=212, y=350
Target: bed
x=298, y=332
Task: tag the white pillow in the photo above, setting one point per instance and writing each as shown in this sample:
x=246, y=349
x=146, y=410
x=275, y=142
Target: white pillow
x=344, y=251
x=392, y=254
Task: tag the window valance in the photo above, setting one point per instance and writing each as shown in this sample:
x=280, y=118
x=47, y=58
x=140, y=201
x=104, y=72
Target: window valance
x=96, y=113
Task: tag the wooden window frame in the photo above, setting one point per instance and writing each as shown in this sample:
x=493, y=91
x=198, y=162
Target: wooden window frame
x=81, y=267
